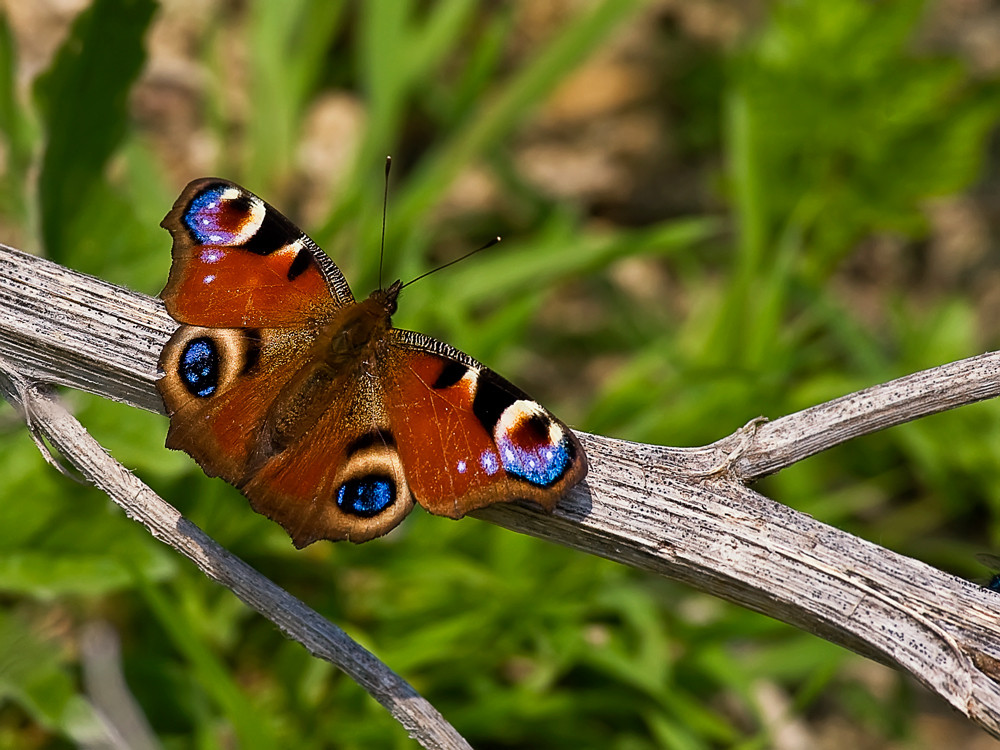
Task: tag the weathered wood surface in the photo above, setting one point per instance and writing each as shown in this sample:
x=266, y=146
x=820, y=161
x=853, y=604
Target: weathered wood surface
x=682, y=513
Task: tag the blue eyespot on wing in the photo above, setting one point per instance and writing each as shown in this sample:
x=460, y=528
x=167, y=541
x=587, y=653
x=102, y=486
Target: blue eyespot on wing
x=223, y=215
x=199, y=367
x=533, y=446
x=366, y=496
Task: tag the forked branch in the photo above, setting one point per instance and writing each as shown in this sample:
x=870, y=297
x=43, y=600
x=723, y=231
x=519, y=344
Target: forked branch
x=682, y=513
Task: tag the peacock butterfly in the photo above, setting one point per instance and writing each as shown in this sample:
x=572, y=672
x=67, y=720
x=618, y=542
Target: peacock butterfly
x=330, y=421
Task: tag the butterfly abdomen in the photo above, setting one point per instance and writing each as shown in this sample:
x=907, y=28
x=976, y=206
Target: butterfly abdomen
x=298, y=406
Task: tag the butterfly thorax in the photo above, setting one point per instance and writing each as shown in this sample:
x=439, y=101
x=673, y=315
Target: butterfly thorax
x=353, y=335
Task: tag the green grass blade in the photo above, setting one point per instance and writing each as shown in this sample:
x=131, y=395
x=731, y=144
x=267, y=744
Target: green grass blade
x=83, y=98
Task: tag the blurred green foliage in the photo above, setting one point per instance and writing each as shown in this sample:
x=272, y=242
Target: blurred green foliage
x=831, y=130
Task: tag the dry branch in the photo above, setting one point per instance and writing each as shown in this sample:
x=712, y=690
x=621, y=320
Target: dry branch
x=681, y=513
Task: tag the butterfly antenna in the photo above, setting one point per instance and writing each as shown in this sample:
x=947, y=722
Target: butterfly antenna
x=385, y=200
x=489, y=244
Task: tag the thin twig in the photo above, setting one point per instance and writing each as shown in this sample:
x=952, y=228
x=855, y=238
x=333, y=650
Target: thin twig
x=787, y=440
x=682, y=513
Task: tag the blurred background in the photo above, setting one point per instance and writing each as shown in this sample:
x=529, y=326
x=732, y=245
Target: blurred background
x=711, y=210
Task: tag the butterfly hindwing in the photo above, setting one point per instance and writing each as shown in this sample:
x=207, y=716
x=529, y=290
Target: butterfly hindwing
x=468, y=438
x=238, y=262
x=219, y=386
x=336, y=484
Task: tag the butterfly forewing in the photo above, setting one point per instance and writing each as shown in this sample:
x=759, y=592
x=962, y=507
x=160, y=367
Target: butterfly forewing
x=469, y=438
x=238, y=262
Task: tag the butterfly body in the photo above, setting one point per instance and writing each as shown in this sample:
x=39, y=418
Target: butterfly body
x=332, y=422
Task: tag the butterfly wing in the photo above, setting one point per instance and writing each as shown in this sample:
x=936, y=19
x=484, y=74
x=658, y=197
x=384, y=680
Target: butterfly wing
x=237, y=262
x=219, y=385
x=467, y=437
x=343, y=480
